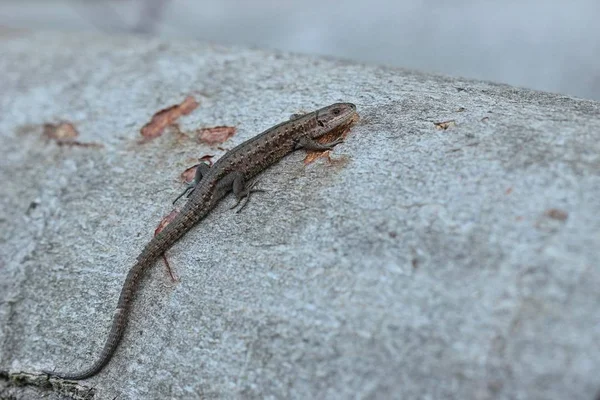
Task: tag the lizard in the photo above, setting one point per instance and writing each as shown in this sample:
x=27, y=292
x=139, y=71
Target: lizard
x=231, y=172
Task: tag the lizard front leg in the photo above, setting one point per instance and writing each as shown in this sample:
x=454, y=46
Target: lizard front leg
x=201, y=171
x=310, y=144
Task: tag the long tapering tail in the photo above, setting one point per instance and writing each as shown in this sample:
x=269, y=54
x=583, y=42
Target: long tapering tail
x=114, y=337
x=119, y=323
x=189, y=215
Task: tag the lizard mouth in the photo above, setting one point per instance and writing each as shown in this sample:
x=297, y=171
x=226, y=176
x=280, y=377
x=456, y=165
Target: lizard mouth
x=350, y=121
x=343, y=128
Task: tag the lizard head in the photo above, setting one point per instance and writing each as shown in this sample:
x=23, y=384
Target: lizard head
x=335, y=116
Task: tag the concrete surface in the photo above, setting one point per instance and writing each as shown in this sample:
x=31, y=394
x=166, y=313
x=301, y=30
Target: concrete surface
x=419, y=262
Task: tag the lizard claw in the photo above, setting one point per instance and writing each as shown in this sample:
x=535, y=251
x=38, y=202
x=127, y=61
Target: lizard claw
x=236, y=203
x=245, y=196
x=331, y=145
x=336, y=142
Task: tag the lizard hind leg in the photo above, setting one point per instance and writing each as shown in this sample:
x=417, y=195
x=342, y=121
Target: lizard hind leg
x=245, y=194
x=237, y=183
x=201, y=171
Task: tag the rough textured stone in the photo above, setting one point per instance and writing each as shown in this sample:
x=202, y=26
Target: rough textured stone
x=419, y=262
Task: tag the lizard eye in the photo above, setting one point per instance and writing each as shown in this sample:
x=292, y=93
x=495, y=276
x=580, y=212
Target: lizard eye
x=335, y=111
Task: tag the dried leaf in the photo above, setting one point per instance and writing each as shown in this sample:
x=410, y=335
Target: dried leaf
x=165, y=221
x=555, y=213
x=61, y=131
x=329, y=137
x=64, y=134
x=166, y=117
x=215, y=135
x=442, y=126
x=208, y=159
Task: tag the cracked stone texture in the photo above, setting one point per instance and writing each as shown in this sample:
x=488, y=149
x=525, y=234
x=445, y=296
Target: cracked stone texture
x=418, y=262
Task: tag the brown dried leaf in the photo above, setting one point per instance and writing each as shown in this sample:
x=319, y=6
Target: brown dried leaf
x=215, y=135
x=442, y=126
x=64, y=134
x=163, y=223
x=342, y=131
x=208, y=159
x=166, y=117
x=555, y=213
x=189, y=174
x=60, y=132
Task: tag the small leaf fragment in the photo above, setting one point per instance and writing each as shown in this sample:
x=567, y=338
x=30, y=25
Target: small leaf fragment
x=166, y=117
x=215, y=135
x=442, y=126
x=557, y=214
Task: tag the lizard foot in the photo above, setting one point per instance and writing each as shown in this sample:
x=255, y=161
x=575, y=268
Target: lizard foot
x=245, y=196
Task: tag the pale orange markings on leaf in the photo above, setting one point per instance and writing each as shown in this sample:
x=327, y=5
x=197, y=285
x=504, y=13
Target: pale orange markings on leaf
x=215, y=135
x=329, y=137
x=442, y=126
x=190, y=173
x=163, y=223
x=61, y=131
x=313, y=155
x=166, y=117
x=65, y=134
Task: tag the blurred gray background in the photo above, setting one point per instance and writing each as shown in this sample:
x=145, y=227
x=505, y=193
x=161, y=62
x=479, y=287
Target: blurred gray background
x=540, y=44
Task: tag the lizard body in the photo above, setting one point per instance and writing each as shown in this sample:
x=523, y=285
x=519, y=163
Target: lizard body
x=229, y=173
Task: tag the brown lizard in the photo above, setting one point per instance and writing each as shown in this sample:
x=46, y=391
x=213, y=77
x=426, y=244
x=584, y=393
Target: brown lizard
x=210, y=185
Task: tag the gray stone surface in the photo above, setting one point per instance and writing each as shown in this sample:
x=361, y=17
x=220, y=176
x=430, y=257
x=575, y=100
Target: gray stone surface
x=418, y=263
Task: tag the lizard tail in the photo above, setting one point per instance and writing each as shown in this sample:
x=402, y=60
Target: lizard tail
x=119, y=323
x=114, y=337
x=157, y=246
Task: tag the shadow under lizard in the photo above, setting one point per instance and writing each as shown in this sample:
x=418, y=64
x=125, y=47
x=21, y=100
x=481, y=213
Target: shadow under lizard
x=210, y=185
